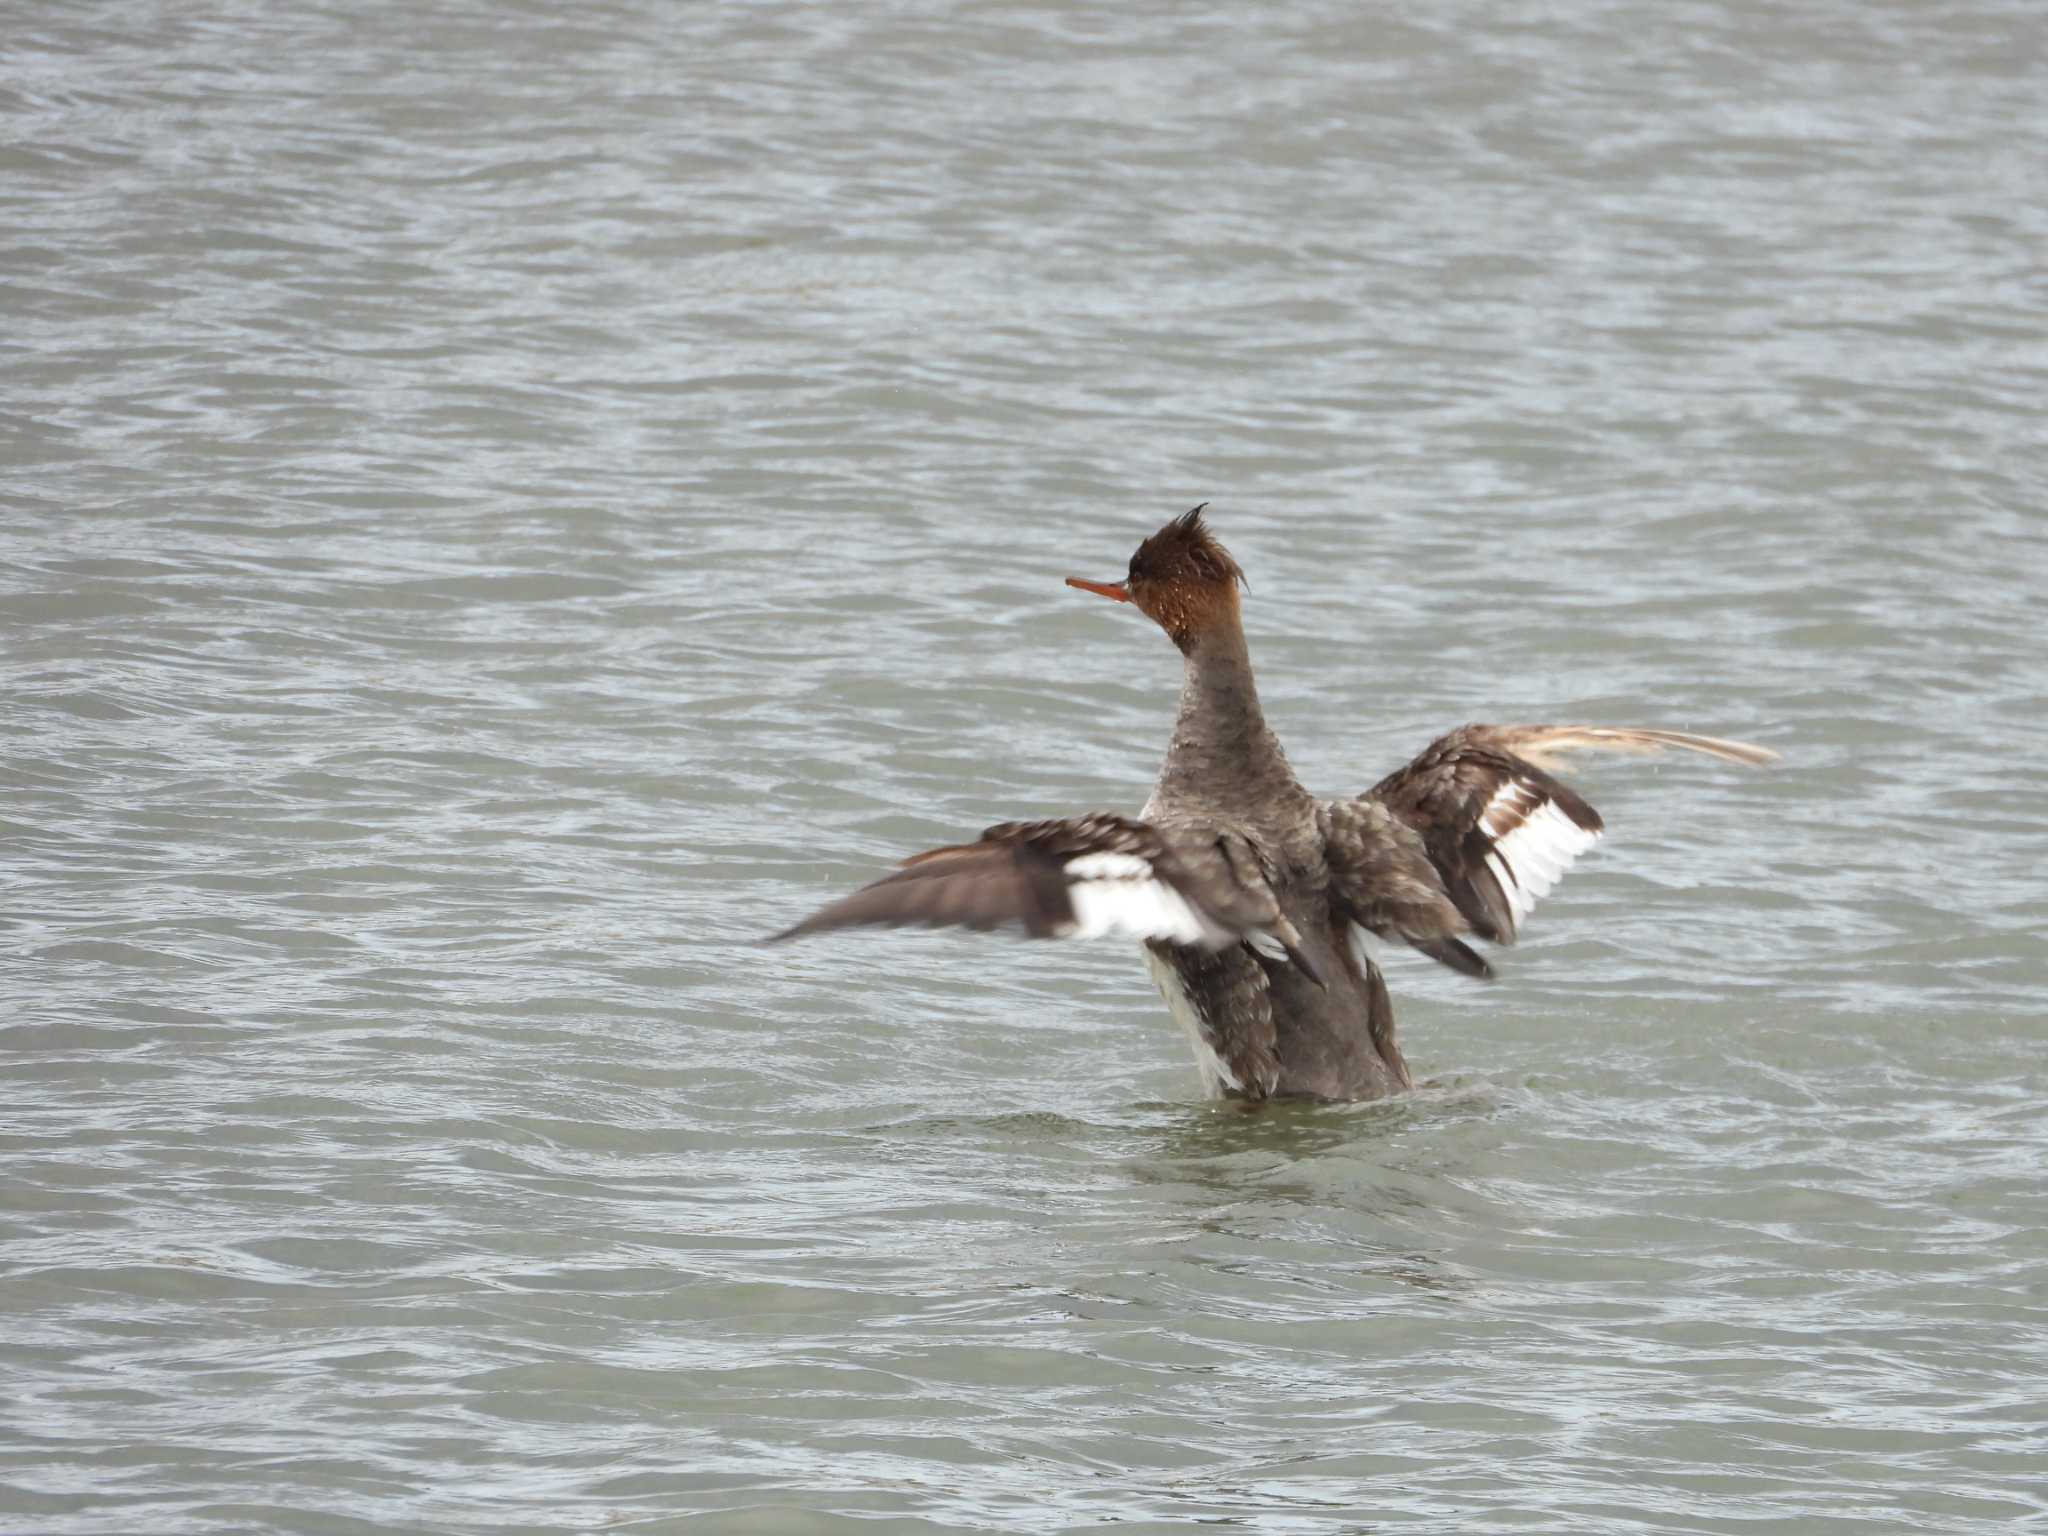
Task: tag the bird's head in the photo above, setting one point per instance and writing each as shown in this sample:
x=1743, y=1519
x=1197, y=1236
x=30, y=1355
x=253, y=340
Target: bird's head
x=1180, y=578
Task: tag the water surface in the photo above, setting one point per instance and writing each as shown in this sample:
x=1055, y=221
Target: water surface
x=502, y=507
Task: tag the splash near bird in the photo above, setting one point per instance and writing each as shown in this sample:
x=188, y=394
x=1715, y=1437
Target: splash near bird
x=1247, y=892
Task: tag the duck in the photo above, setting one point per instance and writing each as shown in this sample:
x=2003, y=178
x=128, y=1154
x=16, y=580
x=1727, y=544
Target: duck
x=1248, y=895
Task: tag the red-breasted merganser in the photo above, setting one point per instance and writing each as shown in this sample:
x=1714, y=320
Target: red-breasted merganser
x=1246, y=890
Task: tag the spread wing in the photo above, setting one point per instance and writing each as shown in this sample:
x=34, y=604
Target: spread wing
x=1382, y=878
x=1081, y=878
x=1481, y=810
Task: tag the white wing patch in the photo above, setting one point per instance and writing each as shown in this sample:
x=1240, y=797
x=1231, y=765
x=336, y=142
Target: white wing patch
x=1538, y=846
x=1263, y=943
x=1117, y=894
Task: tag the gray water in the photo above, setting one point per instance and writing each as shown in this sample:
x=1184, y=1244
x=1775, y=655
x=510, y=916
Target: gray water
x=506, y=504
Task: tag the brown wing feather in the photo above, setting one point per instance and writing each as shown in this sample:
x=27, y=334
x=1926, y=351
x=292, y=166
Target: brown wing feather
x=1445, y=794
x=1190, y=886
x=1547, y=746
x=979, y=886
x=1483, y=797
x=1383, y=879
x=1015, y=873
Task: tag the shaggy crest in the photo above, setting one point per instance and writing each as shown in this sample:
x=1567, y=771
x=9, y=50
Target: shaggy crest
x=1184, y=581
x=1184, y=551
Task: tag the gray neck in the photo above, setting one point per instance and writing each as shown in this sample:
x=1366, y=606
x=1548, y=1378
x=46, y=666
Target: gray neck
x=1222, y=748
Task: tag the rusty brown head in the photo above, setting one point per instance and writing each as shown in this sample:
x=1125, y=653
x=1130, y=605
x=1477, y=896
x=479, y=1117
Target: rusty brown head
x=1180, y=578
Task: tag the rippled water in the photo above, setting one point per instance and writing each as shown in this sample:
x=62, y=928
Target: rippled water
x=505, y=505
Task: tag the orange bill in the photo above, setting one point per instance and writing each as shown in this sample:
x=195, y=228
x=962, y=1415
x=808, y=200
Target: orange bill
x=1109, y=589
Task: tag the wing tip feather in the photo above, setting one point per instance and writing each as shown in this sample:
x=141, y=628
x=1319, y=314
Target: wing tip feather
x=1544, y=745
x=1458, y=956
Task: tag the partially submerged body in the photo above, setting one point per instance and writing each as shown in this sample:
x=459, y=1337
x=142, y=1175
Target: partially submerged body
x=1248, y=893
